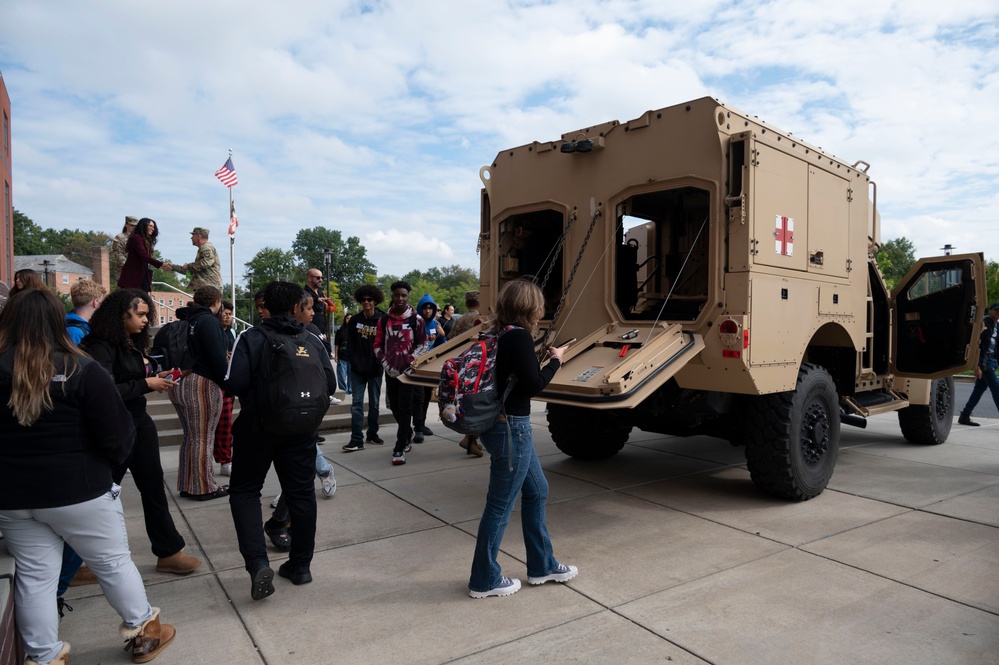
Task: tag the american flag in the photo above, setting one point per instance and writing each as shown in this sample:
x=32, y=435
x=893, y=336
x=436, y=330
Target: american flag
x=227, y=174
x=233, y=221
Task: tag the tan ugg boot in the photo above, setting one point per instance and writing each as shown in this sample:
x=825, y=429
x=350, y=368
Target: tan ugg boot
x=179, y=563
x=149, y=639
x=83, y=577
x=61, y=659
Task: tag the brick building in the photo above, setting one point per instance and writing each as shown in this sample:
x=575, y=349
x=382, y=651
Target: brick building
x=6, y=181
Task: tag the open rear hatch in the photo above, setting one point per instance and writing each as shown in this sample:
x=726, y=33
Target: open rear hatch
x=612, y=367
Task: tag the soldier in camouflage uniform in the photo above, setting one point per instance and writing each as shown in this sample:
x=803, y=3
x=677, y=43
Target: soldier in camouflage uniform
x=119, y=244
x=206, y=269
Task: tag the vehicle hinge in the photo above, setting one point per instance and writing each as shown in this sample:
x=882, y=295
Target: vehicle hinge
x=753, y=242
x=849, y=194
x=754, y=161
x=849, y=265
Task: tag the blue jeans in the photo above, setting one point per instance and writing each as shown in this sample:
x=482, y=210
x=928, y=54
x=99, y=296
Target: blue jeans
x=372, y=385
x=989, y=380
x=343, y=376
x=514, y=470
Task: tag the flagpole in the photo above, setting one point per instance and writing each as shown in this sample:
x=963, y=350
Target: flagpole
x=232, y=251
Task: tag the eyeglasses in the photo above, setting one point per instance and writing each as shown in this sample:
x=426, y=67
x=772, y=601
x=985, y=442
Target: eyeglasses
x=366, y=300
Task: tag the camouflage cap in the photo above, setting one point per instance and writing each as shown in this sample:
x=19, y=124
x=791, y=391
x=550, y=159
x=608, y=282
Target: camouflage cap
x=130, y=220
x=200, y=231
x=471, y=296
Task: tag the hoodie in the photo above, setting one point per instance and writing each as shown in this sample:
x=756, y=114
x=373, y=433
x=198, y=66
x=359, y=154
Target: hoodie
x=435, y=332
x=399, y=339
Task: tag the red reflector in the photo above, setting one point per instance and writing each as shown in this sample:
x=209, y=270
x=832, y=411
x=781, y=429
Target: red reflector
x=745, y=338
x=728, y=327
x=731, y=354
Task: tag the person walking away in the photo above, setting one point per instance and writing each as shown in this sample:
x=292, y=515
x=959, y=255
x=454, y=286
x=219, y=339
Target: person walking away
x=514, y=468
x=118, y=339
x=985, y=370
x=256, y=446
x=469, y=320
x=61, y=414
x=365, y=369
x=435, y=337
x=342, y=360
x=119, y=246
x=137, y=272
x=198, y=396
x=400, y=337
x=222, y=450
x=86, y=296
x=206, y=269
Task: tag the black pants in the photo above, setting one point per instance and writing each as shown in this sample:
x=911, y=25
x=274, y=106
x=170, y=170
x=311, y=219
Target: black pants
x=147, y=472
x=294, y=460
x=404, y=399
x=421, y=403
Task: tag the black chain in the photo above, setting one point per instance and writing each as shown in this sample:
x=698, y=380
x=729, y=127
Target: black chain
x=543, y=349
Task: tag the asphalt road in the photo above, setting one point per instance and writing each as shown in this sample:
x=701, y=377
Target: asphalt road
x=986, y=406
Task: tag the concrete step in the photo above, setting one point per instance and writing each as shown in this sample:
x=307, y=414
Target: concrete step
x=170, y=432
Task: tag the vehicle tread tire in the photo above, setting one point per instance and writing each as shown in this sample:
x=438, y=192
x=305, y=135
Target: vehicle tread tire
x=929, y=425
x=587, y=434
x=777, y=460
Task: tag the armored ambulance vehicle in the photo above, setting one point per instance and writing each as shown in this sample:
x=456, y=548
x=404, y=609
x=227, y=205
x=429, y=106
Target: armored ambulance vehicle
x=718, y=275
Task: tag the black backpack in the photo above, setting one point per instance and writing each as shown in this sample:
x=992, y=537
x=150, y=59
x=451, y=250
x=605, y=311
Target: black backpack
x=170, y=346
x=296, y=393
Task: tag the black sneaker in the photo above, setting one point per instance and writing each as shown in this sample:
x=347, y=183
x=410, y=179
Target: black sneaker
x=966, y=420
x=296, y=574
x=427, y=431
x=418, y=437
x=352, y=446
x=261, y=582
x=375, y=439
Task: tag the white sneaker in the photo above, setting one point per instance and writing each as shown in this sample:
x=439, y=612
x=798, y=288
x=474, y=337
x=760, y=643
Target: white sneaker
x=226, y=469
x=274, y=501
x=562, y=573
x=329, y=484
x=506, y=587
x=335, y=400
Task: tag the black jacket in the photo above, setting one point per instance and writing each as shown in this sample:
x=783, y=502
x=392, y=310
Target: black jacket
x=242, y=379
x=206, y=340
x=87, y=432
x=126, y=367
x=361, y=344
x=515, y=355
x=983, y=341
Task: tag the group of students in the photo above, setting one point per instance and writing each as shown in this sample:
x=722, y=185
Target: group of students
x=84, y=417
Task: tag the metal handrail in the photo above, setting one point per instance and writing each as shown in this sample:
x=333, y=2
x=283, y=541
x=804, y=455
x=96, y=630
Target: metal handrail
x=170, y=287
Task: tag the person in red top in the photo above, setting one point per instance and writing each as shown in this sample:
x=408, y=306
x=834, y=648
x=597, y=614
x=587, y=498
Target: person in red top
x=401, y=336
x=137, y=273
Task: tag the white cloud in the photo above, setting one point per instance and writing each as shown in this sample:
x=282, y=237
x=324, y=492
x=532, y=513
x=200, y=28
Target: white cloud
x=374, y=118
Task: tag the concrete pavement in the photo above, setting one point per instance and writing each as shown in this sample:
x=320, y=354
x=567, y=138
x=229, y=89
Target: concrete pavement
x=681, y=559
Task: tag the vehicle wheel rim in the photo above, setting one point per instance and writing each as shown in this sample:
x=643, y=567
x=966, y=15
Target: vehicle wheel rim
x=941, y=403
x=815, y=433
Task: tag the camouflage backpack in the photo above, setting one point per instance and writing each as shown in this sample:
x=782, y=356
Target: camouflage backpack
x=467, y=394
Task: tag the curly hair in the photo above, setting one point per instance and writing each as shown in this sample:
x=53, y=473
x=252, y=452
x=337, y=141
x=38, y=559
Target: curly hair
x=142, y=228
x=401, y=285
x=108, y=321
x=207, y=295
x=369, y=291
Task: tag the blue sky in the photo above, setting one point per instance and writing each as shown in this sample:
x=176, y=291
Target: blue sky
x=374, y=117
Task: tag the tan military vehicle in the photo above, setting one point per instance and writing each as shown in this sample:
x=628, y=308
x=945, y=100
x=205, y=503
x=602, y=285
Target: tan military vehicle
x=718, y=275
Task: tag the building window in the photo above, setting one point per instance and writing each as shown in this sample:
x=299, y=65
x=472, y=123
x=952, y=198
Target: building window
x=6, y=133
x=65, y=278
x=161, y=302
x=171, y=302
x=162, y=320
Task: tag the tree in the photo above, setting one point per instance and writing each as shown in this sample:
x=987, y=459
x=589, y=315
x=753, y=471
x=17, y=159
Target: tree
x=78, y=246
x=992, y=282
x=895, y=258
x=349, y=264
x=271, y=264
x=28, y=240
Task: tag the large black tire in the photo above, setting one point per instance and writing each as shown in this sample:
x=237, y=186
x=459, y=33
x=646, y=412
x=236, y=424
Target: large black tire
x=792, y=438
x=587, y=434
x=930, y=425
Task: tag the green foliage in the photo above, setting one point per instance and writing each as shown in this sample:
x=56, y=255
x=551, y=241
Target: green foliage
x=28, y=239
x=349, y=265
x=78, y=246
x=992, y=282
x=895, y=258
x=271, y=264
